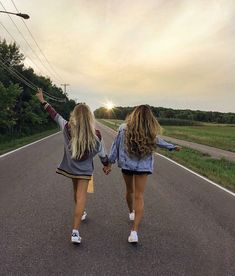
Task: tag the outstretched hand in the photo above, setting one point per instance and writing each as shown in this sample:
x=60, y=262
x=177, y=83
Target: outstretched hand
x=107, y=169
x=40, y=96
x=177, y=148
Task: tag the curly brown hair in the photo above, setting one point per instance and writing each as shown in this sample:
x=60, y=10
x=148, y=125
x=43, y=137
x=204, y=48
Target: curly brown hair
x=141, y=132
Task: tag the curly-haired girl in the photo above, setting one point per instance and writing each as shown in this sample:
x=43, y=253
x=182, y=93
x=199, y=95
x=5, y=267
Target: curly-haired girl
x=133, y=147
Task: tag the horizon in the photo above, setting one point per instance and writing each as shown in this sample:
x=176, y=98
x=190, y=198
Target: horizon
x=166, y=108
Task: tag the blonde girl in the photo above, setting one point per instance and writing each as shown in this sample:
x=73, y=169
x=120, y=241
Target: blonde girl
x=81, y=143
x=133, y=148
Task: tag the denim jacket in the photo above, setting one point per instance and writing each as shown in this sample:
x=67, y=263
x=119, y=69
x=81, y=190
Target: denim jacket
x=119, y=153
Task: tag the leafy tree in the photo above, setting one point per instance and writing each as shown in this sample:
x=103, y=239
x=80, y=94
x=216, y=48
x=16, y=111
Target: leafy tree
x=8, y=118
x=11, y=53
x=171, y=116
x=21, y=113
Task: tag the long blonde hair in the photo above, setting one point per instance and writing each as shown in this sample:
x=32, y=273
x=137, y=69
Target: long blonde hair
x=141, y=132
x=82, y=129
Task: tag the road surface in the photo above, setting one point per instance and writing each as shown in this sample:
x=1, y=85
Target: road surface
x=188, y=226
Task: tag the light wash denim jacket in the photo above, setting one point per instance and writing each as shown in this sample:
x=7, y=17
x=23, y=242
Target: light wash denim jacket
x=119, y=153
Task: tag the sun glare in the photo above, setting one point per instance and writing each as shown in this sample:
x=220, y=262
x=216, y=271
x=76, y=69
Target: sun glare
x=109, y=105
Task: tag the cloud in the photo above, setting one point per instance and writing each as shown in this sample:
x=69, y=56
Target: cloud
x=142, y=48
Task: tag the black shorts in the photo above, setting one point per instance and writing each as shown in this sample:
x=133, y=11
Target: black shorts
x=129, y=172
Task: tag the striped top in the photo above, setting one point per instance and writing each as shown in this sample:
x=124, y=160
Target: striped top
x=74, y=168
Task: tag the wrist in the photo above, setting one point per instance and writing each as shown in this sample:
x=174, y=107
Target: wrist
x=43, y=102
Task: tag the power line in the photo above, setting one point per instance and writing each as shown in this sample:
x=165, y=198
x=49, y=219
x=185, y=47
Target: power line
x=7, y=31
x=25, y=80
x=36, y=42
x=12, y=72
x=24, y=55
x=19, y=76
x=26, y=40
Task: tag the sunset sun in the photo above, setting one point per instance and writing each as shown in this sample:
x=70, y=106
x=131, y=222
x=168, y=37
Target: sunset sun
x=109, y=105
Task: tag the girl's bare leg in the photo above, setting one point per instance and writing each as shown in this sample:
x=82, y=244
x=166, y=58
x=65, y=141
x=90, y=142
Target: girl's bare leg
x=129, y=191
x=81, y=194
x=140, y=182
x=75, y=190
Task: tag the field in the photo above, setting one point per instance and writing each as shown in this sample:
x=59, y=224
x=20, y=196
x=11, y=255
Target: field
x=221, y=171
x=218, y=136
x=215, y=135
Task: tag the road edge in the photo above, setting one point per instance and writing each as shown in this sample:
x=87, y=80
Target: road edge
x=30, y=144
x=187, y=169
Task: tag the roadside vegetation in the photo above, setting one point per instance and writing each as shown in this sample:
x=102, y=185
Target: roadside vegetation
x=21, y=114
x=169, y=116
x=14, y=143
x=215, y=135
x=221, y=171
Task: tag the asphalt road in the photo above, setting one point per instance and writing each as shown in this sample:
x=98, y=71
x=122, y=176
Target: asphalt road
x=188, y=226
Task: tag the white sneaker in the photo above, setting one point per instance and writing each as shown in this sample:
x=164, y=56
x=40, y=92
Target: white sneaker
x=75, y=237
x=133, y=237
x=132, y=216
x=84, y=215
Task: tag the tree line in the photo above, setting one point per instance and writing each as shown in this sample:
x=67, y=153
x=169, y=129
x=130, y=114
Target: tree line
x=21, y=113
x=169, y=116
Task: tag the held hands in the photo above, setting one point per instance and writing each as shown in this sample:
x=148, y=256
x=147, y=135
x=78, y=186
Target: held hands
x=107, y=169
x=40, y=96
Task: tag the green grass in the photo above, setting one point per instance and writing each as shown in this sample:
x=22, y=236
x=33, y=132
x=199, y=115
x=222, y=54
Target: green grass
x=221, y=171
x=218, y=136
x=114, y=124
x=214, y=135
x=11, y=144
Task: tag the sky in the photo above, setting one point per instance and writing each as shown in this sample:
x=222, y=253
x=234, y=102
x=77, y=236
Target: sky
x=171, y=53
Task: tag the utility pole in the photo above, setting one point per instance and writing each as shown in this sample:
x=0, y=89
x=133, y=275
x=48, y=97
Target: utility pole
x=65, y=85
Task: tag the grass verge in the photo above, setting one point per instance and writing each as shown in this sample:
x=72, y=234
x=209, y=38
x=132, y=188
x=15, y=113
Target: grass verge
x=221, y=171
x=11, y=144
x=114, y=124
x=219, y=136
x=215, y=135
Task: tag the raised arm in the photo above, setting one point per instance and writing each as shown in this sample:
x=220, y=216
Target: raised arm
x=54, y=115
